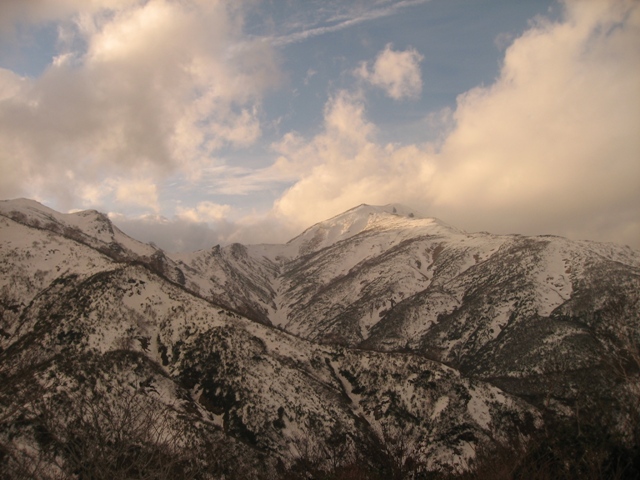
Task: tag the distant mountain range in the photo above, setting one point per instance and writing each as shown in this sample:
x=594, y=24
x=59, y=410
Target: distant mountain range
x=377, y=340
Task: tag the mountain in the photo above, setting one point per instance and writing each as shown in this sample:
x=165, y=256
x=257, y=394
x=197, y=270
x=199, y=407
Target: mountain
x=377, y=340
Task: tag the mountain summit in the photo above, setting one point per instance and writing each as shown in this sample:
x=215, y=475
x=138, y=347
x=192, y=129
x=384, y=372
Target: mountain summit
x=377, y=340
x=393, y=217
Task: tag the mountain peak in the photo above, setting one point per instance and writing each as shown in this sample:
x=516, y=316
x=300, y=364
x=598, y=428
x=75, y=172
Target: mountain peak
x=391, y=208
x=390, y=217
x=26, y=206
x=87, y=226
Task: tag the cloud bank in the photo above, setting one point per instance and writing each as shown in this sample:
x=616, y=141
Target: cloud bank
x=138, y=91
x=552, y=146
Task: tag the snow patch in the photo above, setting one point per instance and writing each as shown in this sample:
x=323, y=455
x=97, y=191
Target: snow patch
x=441, y=404
x=478, y=409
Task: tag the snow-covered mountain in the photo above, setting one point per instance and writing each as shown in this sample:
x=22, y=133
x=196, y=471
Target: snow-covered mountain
x=378, y=337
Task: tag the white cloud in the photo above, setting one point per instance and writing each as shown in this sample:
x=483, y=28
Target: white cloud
x=348, y=15
x=344, y=166
x=204, y=212
x=174, y=235
x=142, y=193
x=553, y=143
x=551, y=147
x=143, y=88
x=135, y=192
x=195, y=229
x=396, y=72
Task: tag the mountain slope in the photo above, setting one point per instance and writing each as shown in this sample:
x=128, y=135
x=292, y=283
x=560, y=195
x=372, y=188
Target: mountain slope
x=542, y=317
x=374, y=337
x=100, y=337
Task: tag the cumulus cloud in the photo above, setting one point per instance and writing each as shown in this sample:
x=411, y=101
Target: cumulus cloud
x=550, y=147
x=139, y=88
x=396, y=72
x=145, y=89
x=553, y=144
x=142, y=193
x=204, y=212
x=344, y=166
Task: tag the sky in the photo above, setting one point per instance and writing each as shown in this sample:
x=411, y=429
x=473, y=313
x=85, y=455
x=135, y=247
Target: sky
x=202, y=122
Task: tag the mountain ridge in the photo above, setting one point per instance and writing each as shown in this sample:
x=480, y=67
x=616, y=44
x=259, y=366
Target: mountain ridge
x=383, y=333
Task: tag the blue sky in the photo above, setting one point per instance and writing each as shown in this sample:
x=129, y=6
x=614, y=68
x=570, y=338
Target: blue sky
x=194, y=122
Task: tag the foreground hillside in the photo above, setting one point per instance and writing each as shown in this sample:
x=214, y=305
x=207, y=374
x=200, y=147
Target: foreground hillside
x=376, y=344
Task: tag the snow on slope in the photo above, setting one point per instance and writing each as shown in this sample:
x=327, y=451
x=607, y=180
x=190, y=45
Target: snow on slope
x=343, y=290
x=233, y=277
x=272, y=389
x=393, y=217
x=507, y=309
x=88, y=226
x=31, y=260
